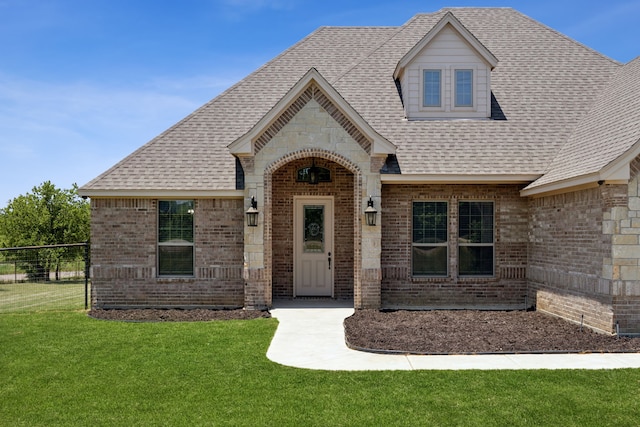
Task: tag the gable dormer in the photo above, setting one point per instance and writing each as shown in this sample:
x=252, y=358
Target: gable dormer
x=447, y=74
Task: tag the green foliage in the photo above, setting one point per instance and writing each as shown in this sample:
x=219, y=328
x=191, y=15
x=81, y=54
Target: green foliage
x=46, y=216
x=67, y=369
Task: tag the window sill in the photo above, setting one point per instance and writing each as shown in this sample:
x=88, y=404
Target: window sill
x=169, y=279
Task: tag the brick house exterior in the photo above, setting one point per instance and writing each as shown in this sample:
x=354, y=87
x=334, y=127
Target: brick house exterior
x=502, y=177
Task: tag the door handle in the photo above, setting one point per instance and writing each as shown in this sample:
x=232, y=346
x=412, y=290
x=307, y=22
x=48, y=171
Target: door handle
x=329, y=260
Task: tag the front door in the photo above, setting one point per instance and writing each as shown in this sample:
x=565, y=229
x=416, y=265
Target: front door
x=313, y=246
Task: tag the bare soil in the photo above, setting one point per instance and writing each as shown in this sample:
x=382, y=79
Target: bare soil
x=473, y=332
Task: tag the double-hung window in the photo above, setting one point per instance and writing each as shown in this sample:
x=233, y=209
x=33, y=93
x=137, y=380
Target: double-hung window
x=463, y=88
x=432, y=88
x=475, y=238
x=175, y=237
x=430, y=237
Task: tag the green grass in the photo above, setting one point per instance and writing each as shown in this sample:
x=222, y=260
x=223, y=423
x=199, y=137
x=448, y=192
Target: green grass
x=63, y=368
x=25, y=297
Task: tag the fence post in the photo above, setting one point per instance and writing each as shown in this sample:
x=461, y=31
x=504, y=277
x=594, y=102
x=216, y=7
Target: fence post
x=86, y=275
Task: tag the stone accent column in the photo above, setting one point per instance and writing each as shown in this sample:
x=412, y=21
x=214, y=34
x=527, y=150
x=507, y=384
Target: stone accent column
x=622, y=225
x=367, y=292
x=257, y=277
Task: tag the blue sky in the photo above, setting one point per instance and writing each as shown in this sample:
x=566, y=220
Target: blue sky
x=83, y=83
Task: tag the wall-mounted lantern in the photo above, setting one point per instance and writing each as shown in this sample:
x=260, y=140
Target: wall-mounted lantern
x=252, y=213
x=370, y=213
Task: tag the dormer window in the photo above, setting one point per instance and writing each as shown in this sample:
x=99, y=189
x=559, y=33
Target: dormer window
x=432, y=96
x=446, y=75
x=464, y=88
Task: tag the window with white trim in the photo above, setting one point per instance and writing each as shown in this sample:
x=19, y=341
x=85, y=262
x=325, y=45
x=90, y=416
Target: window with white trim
x=476, y=238
x=463, y=88
x=175, y=238
x=429, y=255
x=432, y=88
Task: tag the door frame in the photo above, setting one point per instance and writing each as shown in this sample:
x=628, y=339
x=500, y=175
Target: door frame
x=329, y=231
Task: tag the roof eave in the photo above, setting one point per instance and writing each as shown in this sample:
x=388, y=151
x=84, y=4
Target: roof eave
x=458, y=179
x=158, y=193
x=616, y=172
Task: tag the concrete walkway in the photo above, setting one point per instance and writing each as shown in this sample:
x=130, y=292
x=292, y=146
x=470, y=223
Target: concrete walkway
x=311, y=336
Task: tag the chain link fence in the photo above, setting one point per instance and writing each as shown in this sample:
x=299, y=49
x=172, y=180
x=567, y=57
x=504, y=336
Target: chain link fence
x=38, y=278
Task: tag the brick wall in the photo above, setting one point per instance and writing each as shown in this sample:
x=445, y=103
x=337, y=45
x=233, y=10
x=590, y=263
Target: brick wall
x=123, y=256
x=567, y=249
x=284, y=188
x=506, y=290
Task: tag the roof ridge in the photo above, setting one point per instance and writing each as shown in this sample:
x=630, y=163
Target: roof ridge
x=603, y=94
x=564, y=145
x=400, y=28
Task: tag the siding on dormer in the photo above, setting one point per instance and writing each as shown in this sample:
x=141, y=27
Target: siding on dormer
x=447, y=51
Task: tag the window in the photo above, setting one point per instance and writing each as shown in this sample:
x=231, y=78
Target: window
x=430, y=231
x=464, y=88
x=475, y=239
x=432, y=88
x=175, y=237
x=324, y=174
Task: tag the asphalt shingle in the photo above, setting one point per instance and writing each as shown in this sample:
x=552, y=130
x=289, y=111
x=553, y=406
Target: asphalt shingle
x=605, y=133
x=544, y=84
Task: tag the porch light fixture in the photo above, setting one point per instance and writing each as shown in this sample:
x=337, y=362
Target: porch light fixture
x=314, y=173
x=370, y=213
x=252, y=213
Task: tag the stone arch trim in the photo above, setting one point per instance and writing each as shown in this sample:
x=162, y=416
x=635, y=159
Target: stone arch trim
x=311, y=152
x=357, y=193
x=315, y=93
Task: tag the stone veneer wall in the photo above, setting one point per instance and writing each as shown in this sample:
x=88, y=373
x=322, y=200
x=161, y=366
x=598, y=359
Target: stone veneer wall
x=123, y=256
x=623, y=268
x=284, y=188
x=507, y=289
x=314, y=129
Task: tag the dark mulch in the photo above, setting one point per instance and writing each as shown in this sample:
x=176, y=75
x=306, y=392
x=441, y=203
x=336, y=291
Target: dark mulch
x=471, y=331
x=429, y=332
x=176, y=315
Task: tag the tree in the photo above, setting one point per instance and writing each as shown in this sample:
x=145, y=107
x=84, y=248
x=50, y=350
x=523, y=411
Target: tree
x=46, y=216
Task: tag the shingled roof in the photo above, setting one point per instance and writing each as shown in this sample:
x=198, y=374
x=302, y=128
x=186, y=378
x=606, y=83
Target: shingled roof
x=608, y=136
x=543, y=86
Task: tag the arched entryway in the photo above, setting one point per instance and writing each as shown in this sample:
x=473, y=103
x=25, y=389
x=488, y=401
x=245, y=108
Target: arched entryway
x=336, y=194
x=311, y=122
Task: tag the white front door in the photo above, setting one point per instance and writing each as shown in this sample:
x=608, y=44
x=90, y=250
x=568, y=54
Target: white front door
x=313, y=246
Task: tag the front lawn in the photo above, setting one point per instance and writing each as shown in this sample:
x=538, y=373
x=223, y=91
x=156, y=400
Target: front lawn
x=41, y=296
x=64, y=368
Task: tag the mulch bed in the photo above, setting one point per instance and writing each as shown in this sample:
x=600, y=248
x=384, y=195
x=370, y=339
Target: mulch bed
x=429, y=332
x=176, y=315
x=473, y=332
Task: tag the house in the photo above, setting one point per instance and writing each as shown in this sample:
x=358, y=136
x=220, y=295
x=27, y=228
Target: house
x=470, y=158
